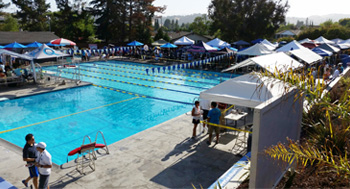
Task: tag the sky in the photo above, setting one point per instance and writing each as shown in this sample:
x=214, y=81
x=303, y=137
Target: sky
x=298, y=8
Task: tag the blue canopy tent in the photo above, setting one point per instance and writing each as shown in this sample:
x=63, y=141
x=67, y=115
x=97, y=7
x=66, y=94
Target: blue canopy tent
x=322, y=52
x=15, y=45
x=135, y=43
x=34, y=45
x=168, y=45
x=2, y=47
x=257, y=41
x=241, y=43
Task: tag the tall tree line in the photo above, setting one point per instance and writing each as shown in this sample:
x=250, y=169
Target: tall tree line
x=110, y=20
x=246, y=19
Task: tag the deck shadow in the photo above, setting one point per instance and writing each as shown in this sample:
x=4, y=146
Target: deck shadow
x=202, y=168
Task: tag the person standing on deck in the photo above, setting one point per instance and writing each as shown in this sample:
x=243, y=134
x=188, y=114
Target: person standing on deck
x=29, y=155
x=214, y=117
x=44, y=163
x=196, y=114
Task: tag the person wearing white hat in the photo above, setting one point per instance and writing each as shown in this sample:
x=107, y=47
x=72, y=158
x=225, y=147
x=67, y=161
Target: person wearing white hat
x=44, y=163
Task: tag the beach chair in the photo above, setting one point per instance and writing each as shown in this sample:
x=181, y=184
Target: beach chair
x=86, y=157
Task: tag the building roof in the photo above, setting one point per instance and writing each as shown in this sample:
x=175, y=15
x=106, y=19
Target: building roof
x=26, y=37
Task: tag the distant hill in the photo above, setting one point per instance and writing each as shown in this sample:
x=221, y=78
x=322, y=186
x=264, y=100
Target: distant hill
x=293, y=20
x=317, y=20
x=182, y=18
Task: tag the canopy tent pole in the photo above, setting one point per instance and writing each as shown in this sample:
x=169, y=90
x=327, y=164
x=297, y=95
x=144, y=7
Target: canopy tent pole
x=33, y=68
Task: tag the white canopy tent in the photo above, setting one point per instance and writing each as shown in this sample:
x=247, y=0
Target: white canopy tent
x=45, y=52
x=22, y=56
x=247, y=90
x=218, y=43
x=306, y=55
x=271, y=62
x=255, y=50
x=306, y=40
x=293, y=45
x=328, y=47
x=184, y=41
x=322, y=40
x=268, y=44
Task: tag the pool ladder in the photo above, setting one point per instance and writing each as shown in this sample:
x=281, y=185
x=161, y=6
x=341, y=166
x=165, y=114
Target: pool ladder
x=104, y=140
x=88, y=154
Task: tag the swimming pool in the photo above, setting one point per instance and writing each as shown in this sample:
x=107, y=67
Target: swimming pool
x=124, y=100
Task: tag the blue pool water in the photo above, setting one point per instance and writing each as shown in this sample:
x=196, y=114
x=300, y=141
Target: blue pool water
x=125, y=101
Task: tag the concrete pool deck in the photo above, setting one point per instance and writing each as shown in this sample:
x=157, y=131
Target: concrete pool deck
x=159, y=157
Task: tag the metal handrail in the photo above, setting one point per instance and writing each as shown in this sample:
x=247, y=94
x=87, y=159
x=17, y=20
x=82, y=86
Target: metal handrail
x=104, y=140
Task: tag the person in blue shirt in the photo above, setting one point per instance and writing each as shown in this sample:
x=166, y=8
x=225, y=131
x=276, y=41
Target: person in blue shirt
x=214, y=117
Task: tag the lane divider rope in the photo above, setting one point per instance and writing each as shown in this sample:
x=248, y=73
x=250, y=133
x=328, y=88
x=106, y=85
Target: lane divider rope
x=53, y=119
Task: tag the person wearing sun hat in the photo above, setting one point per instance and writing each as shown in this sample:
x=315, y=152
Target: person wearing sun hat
x=44, y=163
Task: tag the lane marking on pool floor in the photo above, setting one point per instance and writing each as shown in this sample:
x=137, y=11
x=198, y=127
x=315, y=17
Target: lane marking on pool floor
x=131, y=77
x=53, y=119
x=141, y=95
x=192, y=72
x=159, y=76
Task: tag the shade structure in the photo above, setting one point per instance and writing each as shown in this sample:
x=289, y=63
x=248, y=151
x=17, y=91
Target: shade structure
x=310, y=44
x=184, y=41
x=337, y=40
x=15, y=45
x=293, y=45
x=257, y=41
x=241, y=43
x=62, y=41
x=34, y=45
x=322, y=52
x=306, y=55
x=255, y=50
x=342, y=45
x=54, y=45
x=268, y=44
x=218, y=43
x=247, y=90
x=135, y=43
x=2, y=47
x=45, y=52
x=306, y=40
x=168, y=45
x=225, y=51
x=271, y=62
x=202, y=47
x=328, y=47
x=322, y=40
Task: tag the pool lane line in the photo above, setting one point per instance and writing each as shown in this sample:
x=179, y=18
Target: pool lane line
x=141, y=95
x=131, y=77
x=206, y=74
x=126, y=82
x=172, y=73
x=53, y=119
x=159, y=76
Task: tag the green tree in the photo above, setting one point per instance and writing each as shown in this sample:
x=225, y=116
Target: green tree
x=10, y=24
x=32, y=14
x=247, y=19
x=167, y=23
x=200, y=25
x=156, y=24
x=80, y=26
x=345, y=22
